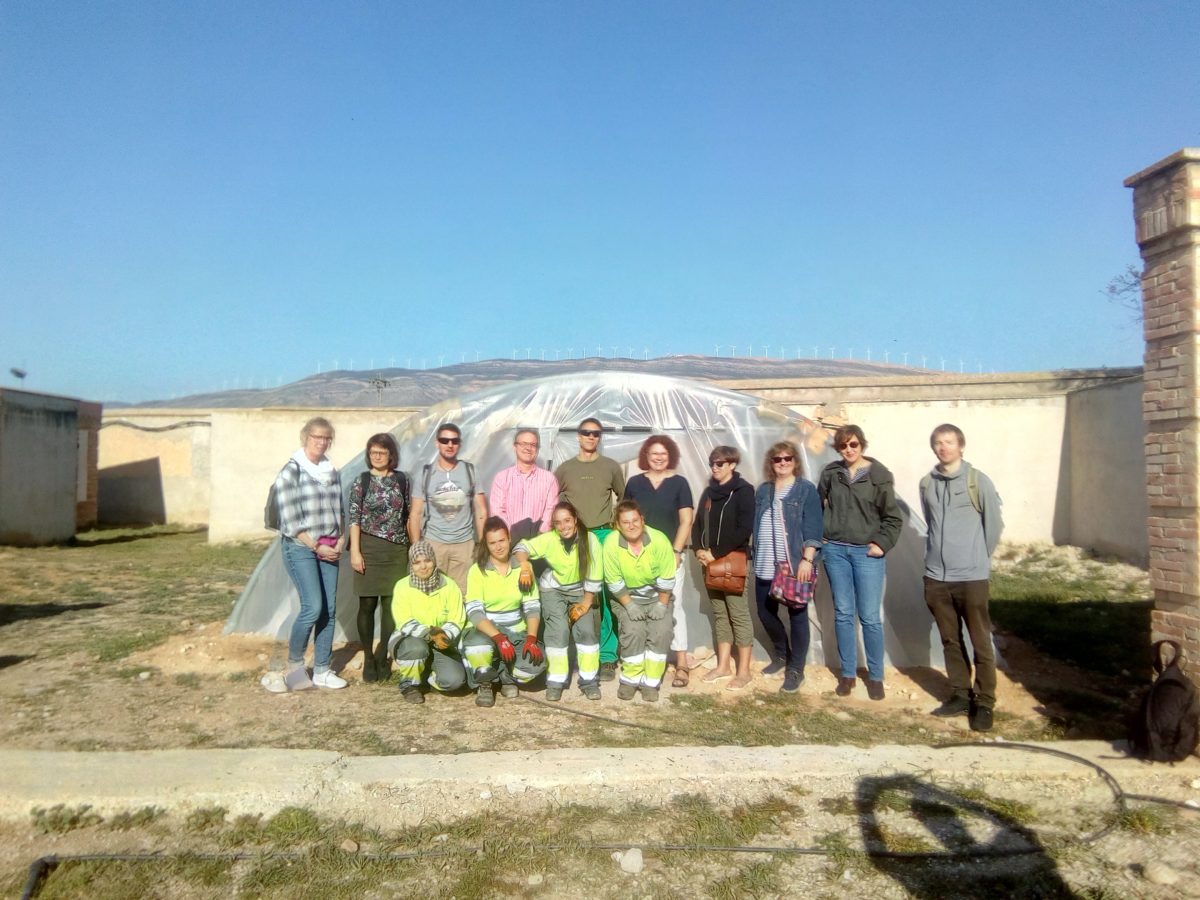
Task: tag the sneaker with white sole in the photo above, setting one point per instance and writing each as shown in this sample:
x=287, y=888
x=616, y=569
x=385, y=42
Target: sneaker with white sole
x=329, y=681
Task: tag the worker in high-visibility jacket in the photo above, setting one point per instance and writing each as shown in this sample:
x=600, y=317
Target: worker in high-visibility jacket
x=430, y=623
x=639, y=569
x=500, y=644
x=568, y=588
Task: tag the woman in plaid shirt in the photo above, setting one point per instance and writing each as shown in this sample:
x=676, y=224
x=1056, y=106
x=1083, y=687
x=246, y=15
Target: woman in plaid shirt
x=311, y=523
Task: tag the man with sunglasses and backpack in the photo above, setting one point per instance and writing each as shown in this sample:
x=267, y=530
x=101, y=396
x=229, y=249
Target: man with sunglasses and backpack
x=447, y=509
x=963, y=523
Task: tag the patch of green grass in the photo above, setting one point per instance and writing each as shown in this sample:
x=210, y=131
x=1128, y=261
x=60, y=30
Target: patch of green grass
x=1093, y=624
x=109, y=647
x=760, y=879
x=699, y=821
x=1002, y=807
x=245, y=829
x=101, y=880
x=292, y=825
x=59, y=819
x=1144, y=820
x=206, y=818
x=841, y=857
x=123, y=821
x=900, y=842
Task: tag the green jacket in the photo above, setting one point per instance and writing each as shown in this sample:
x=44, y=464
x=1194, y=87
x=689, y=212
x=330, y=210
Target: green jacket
x=862, y=512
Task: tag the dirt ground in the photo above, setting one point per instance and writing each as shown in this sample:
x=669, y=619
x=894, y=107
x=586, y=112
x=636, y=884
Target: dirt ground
x=116, y=643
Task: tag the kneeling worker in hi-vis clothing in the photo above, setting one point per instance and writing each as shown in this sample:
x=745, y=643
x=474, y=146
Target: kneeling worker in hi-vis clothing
x=501, y=643
x=569, y=587
x=428, y=608
x=962, y=516
x=639, y=568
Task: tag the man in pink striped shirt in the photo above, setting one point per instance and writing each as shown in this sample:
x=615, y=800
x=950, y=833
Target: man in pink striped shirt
x=524, y=495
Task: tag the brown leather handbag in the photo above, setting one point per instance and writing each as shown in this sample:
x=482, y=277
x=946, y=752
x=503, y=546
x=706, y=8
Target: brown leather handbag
x=728, y=573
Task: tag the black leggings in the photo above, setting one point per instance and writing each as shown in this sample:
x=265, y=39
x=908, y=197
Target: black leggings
x=366, y=625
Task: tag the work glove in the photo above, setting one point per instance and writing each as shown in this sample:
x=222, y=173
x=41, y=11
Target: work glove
x=525, y=579
x=577, y=611
x=656, y=611
x=438, y=638
x=504, y=647
x=636, y=611
x=531, y=651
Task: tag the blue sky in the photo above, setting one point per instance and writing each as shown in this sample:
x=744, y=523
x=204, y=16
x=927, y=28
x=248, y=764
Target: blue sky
x=198, y=195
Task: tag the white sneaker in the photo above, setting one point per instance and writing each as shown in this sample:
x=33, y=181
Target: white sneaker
x=273, y=682
x=328, y=680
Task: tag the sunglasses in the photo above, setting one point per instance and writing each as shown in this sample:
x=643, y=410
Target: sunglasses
x=782, y=459
x=588, y=432
x=443, y=440
x=717, y=463
x=853, y=445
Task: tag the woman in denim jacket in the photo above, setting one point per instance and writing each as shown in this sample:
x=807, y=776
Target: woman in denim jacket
x=787, y=528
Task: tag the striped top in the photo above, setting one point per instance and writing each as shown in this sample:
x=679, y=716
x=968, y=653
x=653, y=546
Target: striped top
x=516, y=496
x=771, y=546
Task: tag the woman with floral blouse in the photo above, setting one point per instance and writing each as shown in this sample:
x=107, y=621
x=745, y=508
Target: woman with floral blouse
x=379, y=507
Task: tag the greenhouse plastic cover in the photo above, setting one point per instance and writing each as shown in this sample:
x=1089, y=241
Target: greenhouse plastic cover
x=631, y=406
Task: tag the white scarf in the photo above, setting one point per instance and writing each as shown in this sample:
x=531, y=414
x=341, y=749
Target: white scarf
x=321, y=472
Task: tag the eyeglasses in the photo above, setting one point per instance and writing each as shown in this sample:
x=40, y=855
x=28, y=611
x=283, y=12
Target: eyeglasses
x=443, y=440
x=321, y=437
x=717, y=463
x=589, y=432
x=853, y=445
x=782, y=459
x=380, y=453
x=527, y=445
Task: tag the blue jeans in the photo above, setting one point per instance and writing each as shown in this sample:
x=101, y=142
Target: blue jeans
x=795, y=654
x=316, y=582
x=856, y=581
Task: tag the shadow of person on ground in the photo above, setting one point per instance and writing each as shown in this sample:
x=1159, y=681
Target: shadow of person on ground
x=22, y=612
x=96, y=538
x=961, y=847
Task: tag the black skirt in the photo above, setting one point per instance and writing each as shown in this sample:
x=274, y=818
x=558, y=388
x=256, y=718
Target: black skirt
x=386, y=564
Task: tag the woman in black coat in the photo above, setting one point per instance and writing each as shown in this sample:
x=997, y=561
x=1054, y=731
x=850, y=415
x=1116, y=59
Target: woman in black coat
x=724, y=524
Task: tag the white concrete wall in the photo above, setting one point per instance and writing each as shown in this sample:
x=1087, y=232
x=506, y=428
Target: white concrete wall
x=1018, y=443
x=39, y=451
x=1107, y=451
x=155, y=466
x=250, y=446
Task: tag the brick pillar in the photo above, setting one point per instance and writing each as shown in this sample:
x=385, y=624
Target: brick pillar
x=1166, y=207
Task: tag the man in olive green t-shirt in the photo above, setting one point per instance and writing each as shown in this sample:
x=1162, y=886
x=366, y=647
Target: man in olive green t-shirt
x=592, y=483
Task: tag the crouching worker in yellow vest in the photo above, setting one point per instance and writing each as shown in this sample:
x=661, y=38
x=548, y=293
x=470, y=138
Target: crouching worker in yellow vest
x=431, y=619
x=639, y=568
x=501, y=642
x=568, y=587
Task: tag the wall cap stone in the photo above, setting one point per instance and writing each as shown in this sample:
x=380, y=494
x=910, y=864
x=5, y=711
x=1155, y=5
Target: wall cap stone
x=1187, y=154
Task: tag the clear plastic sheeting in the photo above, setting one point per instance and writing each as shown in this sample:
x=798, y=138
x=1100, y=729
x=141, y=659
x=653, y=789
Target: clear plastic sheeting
x=697, y=415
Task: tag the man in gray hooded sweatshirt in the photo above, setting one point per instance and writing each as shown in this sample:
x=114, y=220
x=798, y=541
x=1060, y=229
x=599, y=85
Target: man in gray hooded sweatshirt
x=962, y=515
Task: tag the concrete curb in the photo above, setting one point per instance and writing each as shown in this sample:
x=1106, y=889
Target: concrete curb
x=405, y=790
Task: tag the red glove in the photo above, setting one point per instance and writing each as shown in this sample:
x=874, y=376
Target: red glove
x=507, y=651
x=532, y=651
